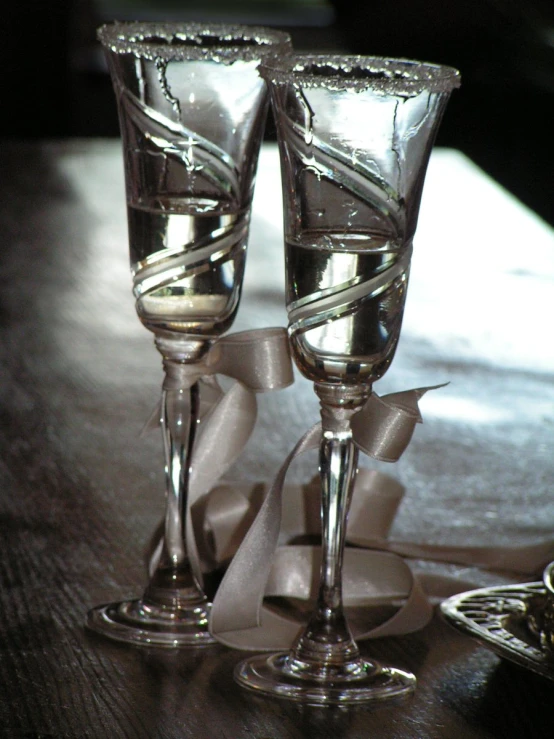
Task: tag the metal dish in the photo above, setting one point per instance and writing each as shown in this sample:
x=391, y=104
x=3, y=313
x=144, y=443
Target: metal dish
x=511, y=620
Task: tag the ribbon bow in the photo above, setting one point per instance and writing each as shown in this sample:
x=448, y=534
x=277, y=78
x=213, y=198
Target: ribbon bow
x=381, y=593
x=374, y=585
x=259, y=361
x=382, y=430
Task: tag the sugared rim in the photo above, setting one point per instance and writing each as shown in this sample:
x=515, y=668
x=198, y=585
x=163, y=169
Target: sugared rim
x=180, y=41
x=340, y=72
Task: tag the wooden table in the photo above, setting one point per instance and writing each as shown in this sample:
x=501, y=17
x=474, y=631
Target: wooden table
x=81, y=493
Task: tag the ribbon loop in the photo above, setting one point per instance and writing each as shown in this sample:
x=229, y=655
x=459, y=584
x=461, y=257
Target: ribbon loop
x=384, y=427
x=259, y=359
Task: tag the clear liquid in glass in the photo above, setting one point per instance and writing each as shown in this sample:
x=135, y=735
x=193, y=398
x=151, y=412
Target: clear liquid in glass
x=187, y=263
x=356, y=337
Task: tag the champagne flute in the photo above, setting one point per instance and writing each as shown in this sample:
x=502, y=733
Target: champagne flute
x=355, y=134
x=192, y=109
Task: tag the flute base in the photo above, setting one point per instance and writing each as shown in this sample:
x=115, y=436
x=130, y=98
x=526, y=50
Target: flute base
x=144, y=624
x=360, y=681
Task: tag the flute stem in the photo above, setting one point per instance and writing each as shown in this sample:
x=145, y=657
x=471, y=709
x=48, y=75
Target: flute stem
x=327, y=640
x=325, y=666
x=173, y=583
x=173, y=611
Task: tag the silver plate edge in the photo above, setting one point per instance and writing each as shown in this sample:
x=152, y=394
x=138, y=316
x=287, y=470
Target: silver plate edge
x=483, y=613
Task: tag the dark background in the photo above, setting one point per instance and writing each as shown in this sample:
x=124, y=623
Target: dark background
x=54, y=81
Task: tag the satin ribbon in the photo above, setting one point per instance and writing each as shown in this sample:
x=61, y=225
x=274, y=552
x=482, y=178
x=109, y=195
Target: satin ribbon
x=229, y=511
x=239, y=618
x=259, y=361
x=377, y=580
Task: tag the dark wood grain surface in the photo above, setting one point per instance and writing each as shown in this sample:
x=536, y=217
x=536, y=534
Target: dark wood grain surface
x=81, y=492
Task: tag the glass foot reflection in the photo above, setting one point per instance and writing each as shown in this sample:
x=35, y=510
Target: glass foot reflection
x=283, y=676
x=138, y=622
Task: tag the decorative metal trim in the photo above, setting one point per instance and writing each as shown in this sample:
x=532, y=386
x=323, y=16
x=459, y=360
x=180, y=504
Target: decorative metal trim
x=507, y=620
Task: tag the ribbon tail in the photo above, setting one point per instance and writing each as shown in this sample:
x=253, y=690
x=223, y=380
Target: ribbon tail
x=232, y=418
x=238, y=602
x=529, y=560
x=222, y=437
x=415, y=613
x=238, y=599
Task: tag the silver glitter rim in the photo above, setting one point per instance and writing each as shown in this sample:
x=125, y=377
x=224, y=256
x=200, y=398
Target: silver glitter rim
x=188, y=41
x=358, y=73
